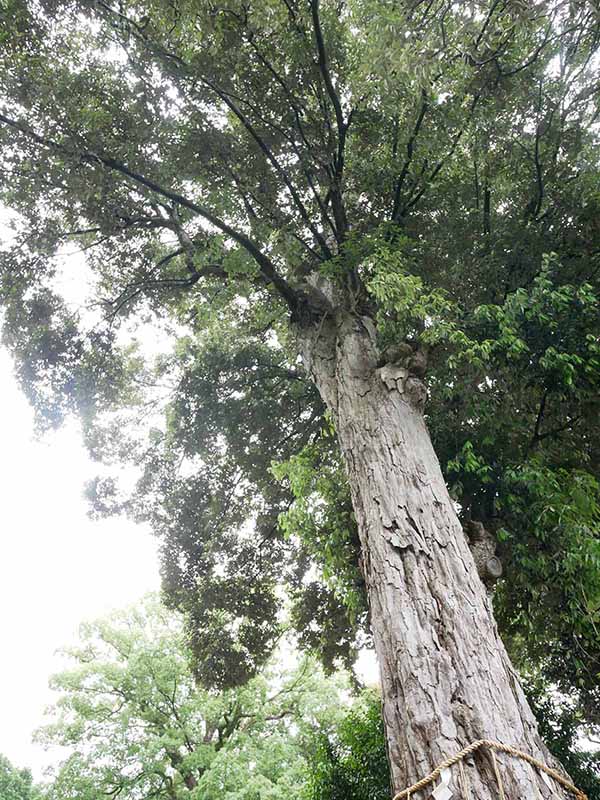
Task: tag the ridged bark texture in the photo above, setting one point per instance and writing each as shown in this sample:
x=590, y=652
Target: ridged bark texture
x=446, y=678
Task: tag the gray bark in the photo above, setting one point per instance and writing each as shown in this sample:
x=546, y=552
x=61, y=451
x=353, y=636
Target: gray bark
x=446, y=678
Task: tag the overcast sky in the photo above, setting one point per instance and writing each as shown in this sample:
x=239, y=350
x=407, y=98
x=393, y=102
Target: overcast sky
x=57, y=567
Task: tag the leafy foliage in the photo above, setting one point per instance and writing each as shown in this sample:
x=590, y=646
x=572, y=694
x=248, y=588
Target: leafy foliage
x=349, y=762
x=560, y=725
x=137, y=725
x=16, y=784
x=328, y=614
x=524, y=461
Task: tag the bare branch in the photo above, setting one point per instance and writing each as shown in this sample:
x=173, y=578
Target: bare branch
x=324, y=67
x=273, y=160
x=410, y=146
x=441, y=163
x=342, y=126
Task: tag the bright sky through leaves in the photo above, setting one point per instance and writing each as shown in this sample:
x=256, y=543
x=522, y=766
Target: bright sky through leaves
x=57, y=567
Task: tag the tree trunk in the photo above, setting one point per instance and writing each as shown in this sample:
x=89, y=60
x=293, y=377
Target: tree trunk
x=445, y=676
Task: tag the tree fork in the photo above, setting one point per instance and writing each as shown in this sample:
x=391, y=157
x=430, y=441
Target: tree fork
x=445, y=675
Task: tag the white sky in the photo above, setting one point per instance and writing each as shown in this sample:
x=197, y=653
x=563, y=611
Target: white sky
x=57, y=567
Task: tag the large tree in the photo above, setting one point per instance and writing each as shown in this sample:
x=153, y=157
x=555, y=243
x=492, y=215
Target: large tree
x=403, y=196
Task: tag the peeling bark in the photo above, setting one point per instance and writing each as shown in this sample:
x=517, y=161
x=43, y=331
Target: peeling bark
x=445, y=675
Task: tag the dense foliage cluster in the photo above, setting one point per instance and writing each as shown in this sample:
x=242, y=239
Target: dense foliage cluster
x=135, y=724
x=560, y=725
x=16, y=784
x=349, y=762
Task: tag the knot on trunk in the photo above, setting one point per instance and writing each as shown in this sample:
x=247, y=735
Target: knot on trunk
x=320, y=295
x=482, y=543
x=416, y=392
x=316, y=298
x=311, y=306
x=401, y=367
x=405, y=383
x=410, y=356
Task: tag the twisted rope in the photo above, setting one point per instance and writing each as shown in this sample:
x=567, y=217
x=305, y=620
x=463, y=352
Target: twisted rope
x=491, y=745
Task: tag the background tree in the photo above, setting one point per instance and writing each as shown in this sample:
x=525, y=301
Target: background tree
x=561, y=726
x=137, y=726
x=16, y=784
x=383, y=190
x=348, y=761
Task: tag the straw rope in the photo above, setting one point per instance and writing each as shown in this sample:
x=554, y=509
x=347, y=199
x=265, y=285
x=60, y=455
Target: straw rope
x=465, y=783
x=492, y=746
x=498, y=777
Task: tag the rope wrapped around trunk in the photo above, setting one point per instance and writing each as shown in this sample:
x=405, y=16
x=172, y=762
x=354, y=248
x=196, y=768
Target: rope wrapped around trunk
x=491, y=745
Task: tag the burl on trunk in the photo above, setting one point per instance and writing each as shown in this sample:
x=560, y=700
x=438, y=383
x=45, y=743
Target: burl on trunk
x=445, y=676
